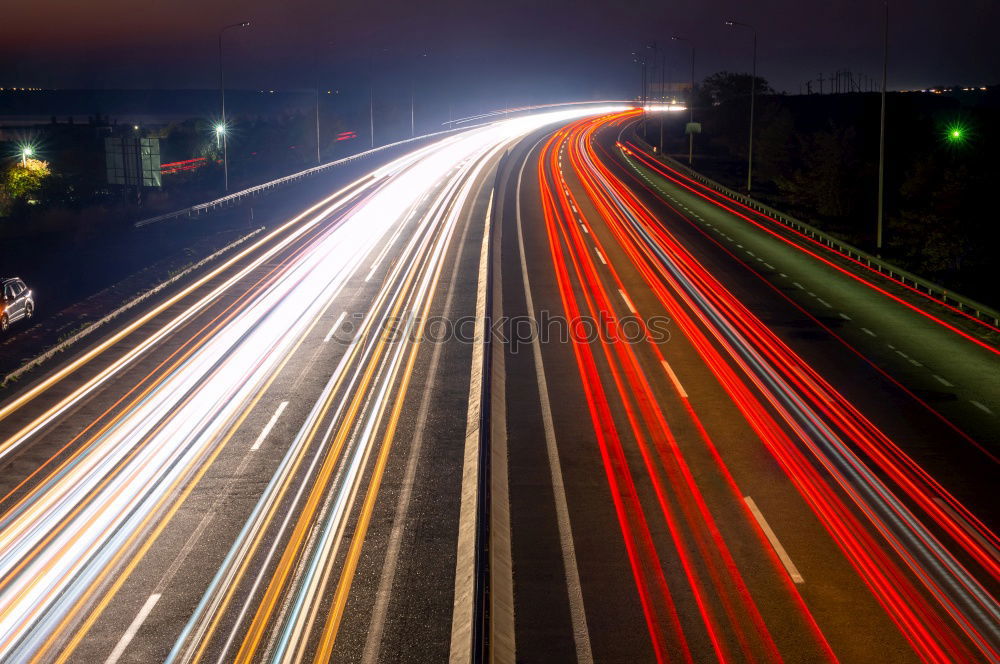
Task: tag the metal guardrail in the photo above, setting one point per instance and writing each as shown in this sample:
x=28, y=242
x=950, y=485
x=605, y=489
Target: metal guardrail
x=935, y=291
x=138, y=299
x=237, y=197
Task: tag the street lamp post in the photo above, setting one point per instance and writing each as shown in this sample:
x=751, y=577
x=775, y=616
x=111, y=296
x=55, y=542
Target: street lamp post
x=221, y=129
x=753, y=94
x=881, y=135
x=663, y=93
x=319, y=159
x=640, y=59
x=690, y=103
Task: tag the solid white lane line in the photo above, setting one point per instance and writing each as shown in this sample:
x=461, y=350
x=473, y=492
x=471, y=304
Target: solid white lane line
x=336, y=324
x=673, y=378
x=578, y=616
x=628, y=302
x=599, y=256
x=130, y=633
x=503, y=646
x=942, y=381
x=790, y=567
x=270, y=425
x=465, y=558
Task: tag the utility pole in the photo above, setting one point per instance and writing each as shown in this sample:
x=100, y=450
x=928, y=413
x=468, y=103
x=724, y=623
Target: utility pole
x=222, y=95
x=821, y=82
x=881, y=134
x=753, y=95
x=318, y=159
x=690, y=100
x=691, y=112
x=663, y=93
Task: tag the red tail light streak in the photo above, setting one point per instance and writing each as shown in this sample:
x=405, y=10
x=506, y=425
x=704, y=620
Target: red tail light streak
x=877, y=504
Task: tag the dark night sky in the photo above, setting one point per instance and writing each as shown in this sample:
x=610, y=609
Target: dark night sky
x=545, y=47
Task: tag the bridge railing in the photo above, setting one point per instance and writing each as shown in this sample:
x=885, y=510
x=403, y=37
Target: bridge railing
x=935, y=291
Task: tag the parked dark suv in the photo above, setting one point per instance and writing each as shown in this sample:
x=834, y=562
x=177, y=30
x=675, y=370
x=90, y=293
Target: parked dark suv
x=17, y=302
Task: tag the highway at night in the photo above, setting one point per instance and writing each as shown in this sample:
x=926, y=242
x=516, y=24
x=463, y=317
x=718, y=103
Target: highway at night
x=528, y=392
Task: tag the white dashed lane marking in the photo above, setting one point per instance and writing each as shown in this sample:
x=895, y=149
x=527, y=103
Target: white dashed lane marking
x=628, y=302
x=943, y=381
x=980, y=406
x=270, y=425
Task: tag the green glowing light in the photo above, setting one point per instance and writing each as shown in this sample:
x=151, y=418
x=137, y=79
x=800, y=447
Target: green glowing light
x=956, y=133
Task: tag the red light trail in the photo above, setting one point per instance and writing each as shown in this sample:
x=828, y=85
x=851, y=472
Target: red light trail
x=812, y=430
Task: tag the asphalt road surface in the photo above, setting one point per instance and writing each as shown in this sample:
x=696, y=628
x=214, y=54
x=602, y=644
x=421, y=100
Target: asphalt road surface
x=803, y=467
x=525, y=394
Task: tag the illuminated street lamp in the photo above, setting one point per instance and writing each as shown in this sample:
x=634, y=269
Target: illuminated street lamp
x=220, y=129
x=753, y=94
x=26, y=152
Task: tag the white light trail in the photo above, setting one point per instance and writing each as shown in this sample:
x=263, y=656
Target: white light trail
x=62, y=539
